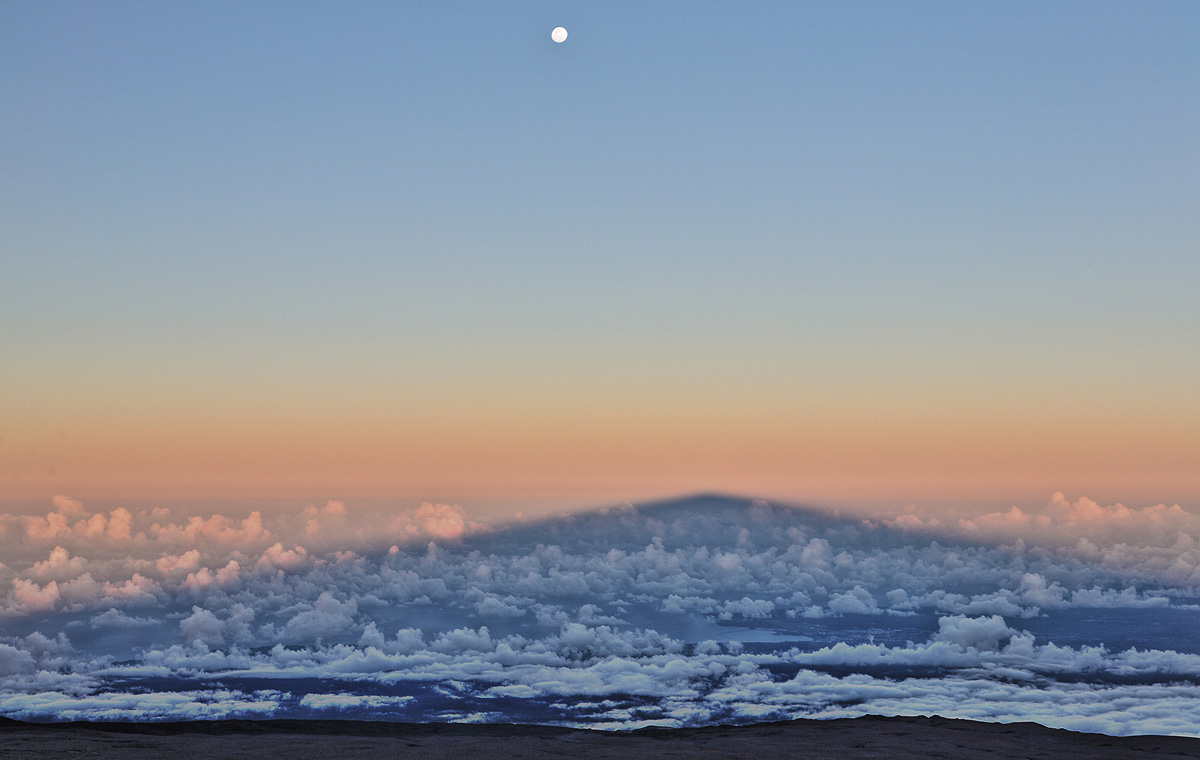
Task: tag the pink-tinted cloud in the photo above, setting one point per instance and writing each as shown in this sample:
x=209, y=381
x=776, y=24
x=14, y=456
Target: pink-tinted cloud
x=60, y=566
x=217, y=529
x=32, y=597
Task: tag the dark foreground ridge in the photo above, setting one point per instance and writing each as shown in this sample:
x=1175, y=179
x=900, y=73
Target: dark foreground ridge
x=840, y=739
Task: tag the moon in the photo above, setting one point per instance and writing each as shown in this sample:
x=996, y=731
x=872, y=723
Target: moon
x=559, y=34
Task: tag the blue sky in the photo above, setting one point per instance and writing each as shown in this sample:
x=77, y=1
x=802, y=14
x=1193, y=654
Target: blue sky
x=937, y=205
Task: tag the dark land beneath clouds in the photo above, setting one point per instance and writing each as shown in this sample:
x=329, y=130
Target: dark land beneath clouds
x=840, y=739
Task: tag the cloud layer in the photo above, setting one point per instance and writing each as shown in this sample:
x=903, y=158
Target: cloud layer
x=704, y=610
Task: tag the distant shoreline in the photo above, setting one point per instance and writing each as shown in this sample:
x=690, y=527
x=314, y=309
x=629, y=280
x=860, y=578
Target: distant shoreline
x=834, y=739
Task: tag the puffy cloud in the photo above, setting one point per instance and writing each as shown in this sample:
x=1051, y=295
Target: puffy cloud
x=328, y=619
x=59, y=566
x=326, y=521
x=114, y=618
x=217, y=529
x=440, y=521
x=205, y=627
x=746, y=608
x=974, y=633
x=857, y=601
x=49, y=527
x=178, y=564
x=14, y=661
x=1012, y=522
x=72, y=520
x=204, y=578
x=1064, y=521
x=136, y=589
x=31, y=597
x=464, y=640
x=275, y=557
x=490, y=606
x=119, y=525
x=67, y=505
x=202, y=627
x=343, y=701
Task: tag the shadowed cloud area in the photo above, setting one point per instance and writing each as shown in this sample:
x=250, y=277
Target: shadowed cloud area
x=685, y=613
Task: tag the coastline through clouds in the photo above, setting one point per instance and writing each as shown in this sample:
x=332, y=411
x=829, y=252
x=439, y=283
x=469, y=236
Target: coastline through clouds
x=697, y=611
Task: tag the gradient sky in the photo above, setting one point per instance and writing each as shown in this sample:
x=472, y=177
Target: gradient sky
x=823, y=251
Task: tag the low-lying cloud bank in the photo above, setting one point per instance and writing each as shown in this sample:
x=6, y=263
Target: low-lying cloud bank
x=706, y=610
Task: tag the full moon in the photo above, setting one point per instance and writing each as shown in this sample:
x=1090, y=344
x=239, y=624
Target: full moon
x=559, y=34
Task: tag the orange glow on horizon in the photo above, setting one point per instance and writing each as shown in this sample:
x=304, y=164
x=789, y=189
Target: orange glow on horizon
x=613, y=448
